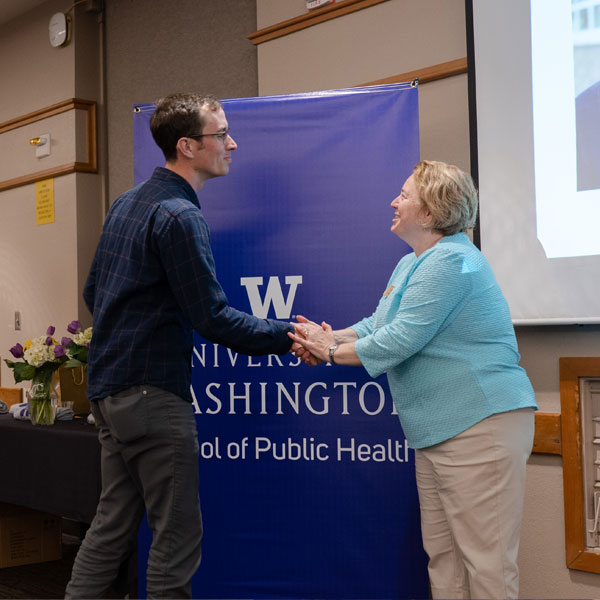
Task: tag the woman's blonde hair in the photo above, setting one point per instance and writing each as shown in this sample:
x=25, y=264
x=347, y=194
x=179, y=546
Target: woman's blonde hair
x=449, y=194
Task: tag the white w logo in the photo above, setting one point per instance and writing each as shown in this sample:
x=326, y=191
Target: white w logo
x=273, y=295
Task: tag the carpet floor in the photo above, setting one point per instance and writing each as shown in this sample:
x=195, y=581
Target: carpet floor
x=40, y=580
x=43, y=580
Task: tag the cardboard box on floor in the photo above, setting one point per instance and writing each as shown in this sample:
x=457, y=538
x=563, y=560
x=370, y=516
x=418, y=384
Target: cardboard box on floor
x=28, y=536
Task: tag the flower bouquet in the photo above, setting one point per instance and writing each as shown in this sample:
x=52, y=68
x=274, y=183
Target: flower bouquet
x=40, y=361
x=76, y=348
x=42, y=356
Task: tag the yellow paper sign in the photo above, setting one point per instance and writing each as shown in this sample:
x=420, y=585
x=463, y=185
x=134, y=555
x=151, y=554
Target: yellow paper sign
x=44, y=202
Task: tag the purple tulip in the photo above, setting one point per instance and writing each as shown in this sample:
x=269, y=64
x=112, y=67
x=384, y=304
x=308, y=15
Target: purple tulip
x=50, y=330
x=66, y=342
x=59, y=351
x=17, y=351
x=74, y=327
x=49, y=341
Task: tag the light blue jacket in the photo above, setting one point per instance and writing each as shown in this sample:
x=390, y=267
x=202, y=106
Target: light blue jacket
x=443, y=334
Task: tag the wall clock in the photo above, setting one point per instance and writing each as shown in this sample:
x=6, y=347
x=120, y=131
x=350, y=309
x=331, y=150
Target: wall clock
x=58, y=30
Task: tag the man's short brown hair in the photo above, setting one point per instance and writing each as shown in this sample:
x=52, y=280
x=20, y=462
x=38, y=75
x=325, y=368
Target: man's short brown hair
x=179, y=115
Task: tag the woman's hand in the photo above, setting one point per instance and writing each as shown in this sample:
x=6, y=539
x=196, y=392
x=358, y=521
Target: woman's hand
x=311, y=341
x=300, y=351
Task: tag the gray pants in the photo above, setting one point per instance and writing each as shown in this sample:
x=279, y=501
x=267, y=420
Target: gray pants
x=149, y=464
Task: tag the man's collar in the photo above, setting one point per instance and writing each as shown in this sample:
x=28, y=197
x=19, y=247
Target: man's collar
x=166, y=174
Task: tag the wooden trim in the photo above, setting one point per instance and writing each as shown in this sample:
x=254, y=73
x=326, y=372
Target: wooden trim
x=91, y=166
x=571, y=370
x=8, y=184
x=49, y=111
x=309, y=19
x=547, y=437
x=426, y=74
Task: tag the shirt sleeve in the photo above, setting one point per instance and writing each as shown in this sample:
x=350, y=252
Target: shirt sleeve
x=435, y=292
x=185, y=251
x=363, y=327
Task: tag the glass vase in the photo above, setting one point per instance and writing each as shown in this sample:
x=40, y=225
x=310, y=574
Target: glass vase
x=42, y=399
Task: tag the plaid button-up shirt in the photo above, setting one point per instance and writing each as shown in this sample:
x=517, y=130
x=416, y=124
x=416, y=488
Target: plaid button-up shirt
x=151, y=283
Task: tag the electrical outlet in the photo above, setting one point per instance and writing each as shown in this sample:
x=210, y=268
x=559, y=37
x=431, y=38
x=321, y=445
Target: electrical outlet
x=17, y=320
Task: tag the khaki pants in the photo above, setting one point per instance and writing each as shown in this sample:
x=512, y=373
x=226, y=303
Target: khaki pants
x=471, y=490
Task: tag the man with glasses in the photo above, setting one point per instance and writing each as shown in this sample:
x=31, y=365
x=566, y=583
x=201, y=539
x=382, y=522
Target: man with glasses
x=152, y=282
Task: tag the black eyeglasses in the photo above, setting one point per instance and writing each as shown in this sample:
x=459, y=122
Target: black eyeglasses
x=220, y=135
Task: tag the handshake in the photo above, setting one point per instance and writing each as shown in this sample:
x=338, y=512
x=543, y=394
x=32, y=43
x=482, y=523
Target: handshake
x=312, y=342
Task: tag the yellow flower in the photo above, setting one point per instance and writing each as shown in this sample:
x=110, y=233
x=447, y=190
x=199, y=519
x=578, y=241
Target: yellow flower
x=28, y=343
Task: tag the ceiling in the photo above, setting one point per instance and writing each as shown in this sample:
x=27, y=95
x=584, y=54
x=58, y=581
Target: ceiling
x=9, y=9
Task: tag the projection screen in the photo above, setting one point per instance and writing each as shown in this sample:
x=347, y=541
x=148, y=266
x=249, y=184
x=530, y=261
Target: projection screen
x=537, y=109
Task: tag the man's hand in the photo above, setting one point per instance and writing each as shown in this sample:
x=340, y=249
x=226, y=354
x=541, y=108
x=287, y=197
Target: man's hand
x=311, y=341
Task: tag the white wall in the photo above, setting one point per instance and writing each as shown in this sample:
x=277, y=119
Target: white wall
x=43, y=267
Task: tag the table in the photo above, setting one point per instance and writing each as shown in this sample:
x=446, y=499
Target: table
x=55, y=469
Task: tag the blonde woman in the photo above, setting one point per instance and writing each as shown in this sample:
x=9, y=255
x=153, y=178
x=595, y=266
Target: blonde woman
x=443, y=334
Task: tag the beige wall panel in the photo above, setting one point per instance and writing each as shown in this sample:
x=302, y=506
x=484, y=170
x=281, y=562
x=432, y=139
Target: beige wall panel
x=444, y=121
x=41, y=267
x=80, y=143
x=154, y=49
x=384, y=40
x=543, y=573
x=540, y=349
x=87, y=34
x=541, y=554
x=19, y=157
x=38, y=74
x=271, y=12
x=89, y=218
x=38, y=264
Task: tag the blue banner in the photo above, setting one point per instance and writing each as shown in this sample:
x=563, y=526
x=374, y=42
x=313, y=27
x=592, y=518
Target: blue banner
x=306, y=483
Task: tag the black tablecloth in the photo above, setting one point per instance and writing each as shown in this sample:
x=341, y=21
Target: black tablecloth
x=53, y=468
